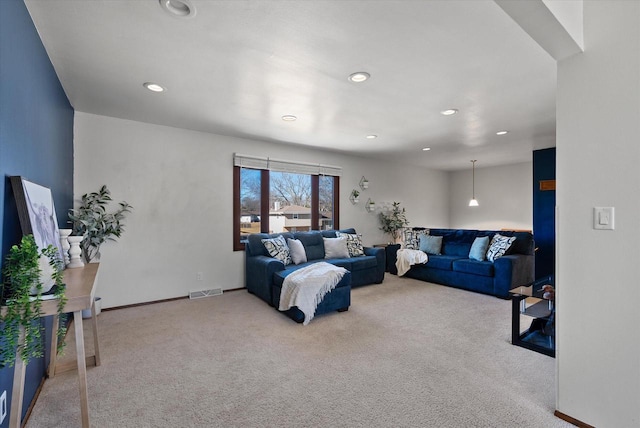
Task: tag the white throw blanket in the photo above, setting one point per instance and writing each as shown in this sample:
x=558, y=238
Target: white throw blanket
x=407, y=258
x=306, y=287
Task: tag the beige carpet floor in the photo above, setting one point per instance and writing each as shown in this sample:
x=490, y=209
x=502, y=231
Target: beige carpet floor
x=407, y=354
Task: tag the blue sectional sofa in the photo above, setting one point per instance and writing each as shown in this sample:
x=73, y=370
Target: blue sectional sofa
x=264, y=275
x=454, y=268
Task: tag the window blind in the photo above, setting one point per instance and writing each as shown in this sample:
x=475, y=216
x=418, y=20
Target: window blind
x=281, y=165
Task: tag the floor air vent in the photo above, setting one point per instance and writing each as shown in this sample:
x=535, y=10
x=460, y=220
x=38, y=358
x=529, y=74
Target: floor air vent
x=205, y=293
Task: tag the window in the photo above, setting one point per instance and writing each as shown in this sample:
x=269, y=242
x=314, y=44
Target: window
x=250, y=198
x=326, y=205
x=278, y=196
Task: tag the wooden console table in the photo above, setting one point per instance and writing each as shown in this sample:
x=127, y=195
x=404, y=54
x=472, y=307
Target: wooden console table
x=80, y=296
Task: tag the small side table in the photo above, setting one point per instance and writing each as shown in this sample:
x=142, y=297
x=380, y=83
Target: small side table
x=80, y=295
x=385, y=246
x=391, y=253
x=527, y=300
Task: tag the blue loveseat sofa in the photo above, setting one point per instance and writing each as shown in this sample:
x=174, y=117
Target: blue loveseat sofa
x=264, y=275
x=454, y=267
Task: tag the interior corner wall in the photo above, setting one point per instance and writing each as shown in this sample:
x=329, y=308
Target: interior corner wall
x=180, y=185
x=598, y=106
x=36, y=142
x=503, y=193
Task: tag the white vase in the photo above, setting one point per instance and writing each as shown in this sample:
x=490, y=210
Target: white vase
x=64, y=243
x=46, y=276
x=74, y=252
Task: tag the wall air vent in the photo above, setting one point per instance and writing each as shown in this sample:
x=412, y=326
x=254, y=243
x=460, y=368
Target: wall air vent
x=205, y=293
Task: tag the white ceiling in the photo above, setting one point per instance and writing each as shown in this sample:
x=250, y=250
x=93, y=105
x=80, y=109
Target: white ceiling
x=237, y=67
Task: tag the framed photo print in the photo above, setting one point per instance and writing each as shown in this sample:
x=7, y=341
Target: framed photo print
x=37, y=213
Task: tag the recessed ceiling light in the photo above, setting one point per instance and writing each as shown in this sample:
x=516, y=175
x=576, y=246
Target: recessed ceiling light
x=449, y=112
x=288, y=118
x=426, y=149
x=371, y=137
x=154, y=87
x=502, y=132
x=359, y=77
x=179, y=8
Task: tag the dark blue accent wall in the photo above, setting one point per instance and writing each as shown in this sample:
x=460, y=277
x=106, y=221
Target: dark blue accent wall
x=36, y=142
x=544, y=212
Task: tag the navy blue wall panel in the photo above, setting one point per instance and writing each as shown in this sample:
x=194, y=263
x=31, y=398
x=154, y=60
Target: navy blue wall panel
x=36, y=141
x=544, y=207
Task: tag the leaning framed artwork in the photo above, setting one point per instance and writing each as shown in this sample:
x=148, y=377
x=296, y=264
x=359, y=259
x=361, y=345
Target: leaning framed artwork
x=37, y=213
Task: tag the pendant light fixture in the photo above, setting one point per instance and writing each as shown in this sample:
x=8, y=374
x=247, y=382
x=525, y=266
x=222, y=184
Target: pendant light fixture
x=473, y=202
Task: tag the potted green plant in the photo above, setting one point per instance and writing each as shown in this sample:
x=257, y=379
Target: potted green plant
x=92, y=221
x=393, y=221
x=27, y=273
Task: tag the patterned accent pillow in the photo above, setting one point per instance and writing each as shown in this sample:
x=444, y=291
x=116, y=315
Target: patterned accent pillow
x=278, y=249
x=354, y=243
x=499, y=245
x=296, y=249
x=411, y=238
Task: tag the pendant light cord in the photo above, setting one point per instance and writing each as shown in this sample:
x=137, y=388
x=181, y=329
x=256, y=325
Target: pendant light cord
x=473, y=179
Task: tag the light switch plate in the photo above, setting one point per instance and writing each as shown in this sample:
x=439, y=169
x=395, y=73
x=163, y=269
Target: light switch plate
x=603, y=218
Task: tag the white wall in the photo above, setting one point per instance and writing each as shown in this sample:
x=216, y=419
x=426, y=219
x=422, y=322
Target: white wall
x=598, y=150
x=180, y=185
x=504, y=194
x=569, y=14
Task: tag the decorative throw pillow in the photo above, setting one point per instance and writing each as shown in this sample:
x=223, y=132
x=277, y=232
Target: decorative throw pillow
x=411, y=238
x=277, y=248
x=335, y=248
x=499, y=245
x=354, y=243
x=430, y=244
x=479, y=248
x=298, y=254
